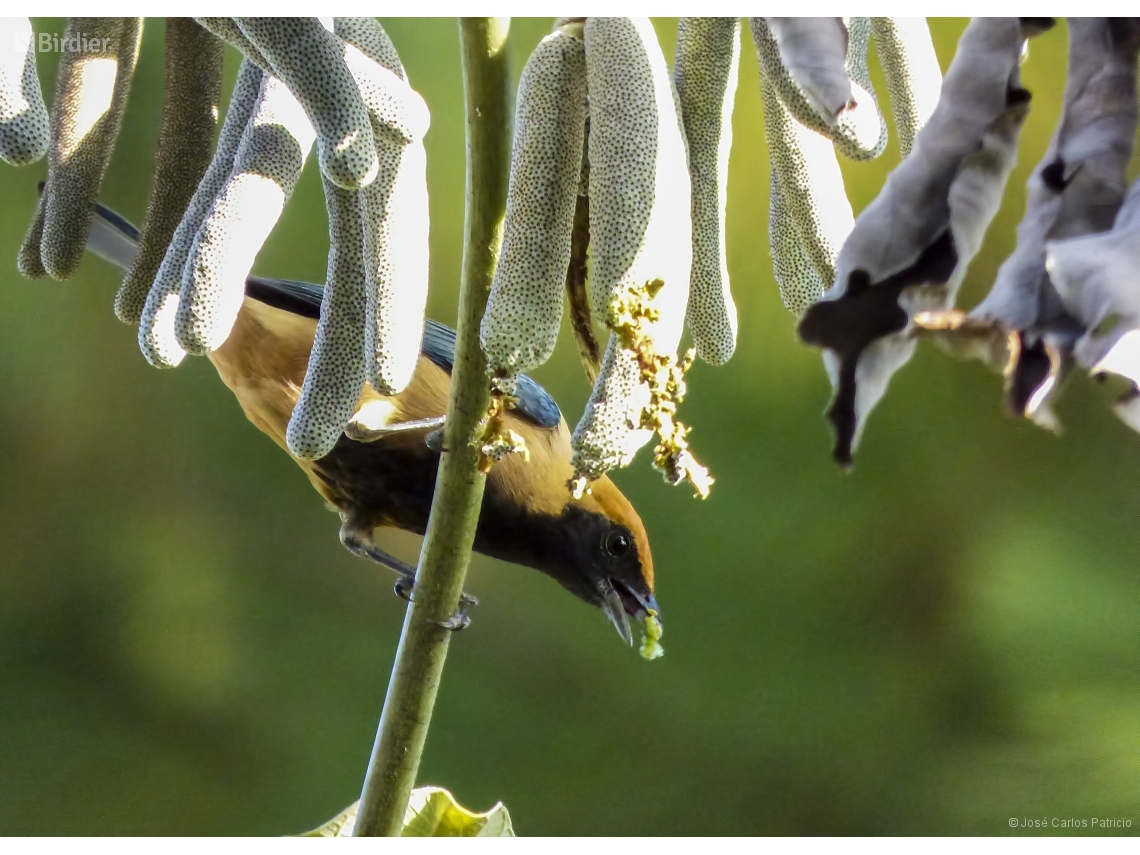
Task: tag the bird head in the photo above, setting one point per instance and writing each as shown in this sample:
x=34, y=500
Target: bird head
x=612, y=566
x=596, y=547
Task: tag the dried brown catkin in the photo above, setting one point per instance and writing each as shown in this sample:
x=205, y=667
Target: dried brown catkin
x=156, y=326
x=191, y=90
x=90, y=99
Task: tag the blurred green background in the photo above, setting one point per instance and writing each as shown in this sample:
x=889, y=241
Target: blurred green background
x=937, y=642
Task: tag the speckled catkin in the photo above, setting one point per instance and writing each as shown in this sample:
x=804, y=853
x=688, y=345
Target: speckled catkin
x=191, y=88
x=809, y=215
x=640, y=198
x=799, y=280
x=705, y=73
x=268, y=163
x=23, y=116
x=609, y=433
x=28, y=257
x=338, y=362
x=640, y=222
x=399, y=114
x=394, y=212
x=395, y=207
x=336, y=371
x=227, y=30
x=814, y=51
x=310, y=61
x=914, y=77
x=524, y=310
x=90, y=98
x=156, y=326
x=859, y=130
x=371, y=39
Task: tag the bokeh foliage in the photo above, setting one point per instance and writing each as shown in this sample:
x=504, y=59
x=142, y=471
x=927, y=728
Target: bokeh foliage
x=943, y=639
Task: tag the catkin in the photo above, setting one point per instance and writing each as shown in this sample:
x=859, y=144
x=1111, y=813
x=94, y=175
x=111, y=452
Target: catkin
x=640, y=200
x=228, y=31
x=809, y=215
x=23, y=117
x=395, y=217
x=335, y=375
x=913, y=75
x=90, y=99
x=524, y=310
x=705, y=74
x=337, y=364
x=156, y=324
x=269, y=159
x=640, y=232
x=858, y=129
x=610, y=433
x=191, y=89
x=395, y=211
x=311, y=62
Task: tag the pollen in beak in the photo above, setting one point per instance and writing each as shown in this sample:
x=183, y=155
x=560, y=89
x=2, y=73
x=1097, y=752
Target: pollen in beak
x=615, y=610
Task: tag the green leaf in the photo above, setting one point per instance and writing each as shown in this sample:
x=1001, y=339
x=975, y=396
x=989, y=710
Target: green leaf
x=340, y=825
x=432, y=812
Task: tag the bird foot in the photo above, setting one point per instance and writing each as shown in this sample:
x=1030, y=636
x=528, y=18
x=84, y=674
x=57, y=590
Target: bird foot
x=359, y=545
x=405, y=590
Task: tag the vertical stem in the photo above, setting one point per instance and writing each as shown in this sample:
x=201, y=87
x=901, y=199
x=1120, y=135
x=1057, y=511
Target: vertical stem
x=459, y=486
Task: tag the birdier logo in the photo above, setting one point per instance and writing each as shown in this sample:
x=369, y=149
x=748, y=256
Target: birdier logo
x=54, y=43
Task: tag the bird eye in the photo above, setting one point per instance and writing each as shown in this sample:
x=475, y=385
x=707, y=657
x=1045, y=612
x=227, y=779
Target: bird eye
x=617, y=543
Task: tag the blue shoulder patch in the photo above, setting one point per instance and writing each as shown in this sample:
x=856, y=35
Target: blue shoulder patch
x=534, y=403
x=303, y=298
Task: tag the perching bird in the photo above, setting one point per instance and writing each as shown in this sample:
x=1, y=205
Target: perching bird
x=596, y=547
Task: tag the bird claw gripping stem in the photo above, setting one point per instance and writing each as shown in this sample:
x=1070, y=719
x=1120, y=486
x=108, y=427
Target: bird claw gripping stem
x=1095, y=277
x=705, y=74
x=156, y=326
x=87, y=112
x=372, y=311
x=639, y=206
x=23, y=116
x=909, y=249
x=1075, y=190
x=191, y=89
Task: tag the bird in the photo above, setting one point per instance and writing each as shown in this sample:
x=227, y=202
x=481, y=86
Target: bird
x=384, y=473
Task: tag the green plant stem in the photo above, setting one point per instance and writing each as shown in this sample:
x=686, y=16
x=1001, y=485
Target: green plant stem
x=459, y=486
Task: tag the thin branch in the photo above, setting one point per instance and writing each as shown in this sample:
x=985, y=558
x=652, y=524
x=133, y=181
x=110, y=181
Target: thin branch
x=459, y=487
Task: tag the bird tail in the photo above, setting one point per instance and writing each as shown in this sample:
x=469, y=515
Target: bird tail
x=112, y=238
x=116, y=240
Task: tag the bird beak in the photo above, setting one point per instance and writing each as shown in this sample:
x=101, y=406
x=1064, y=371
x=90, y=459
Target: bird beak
x=615, y=611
